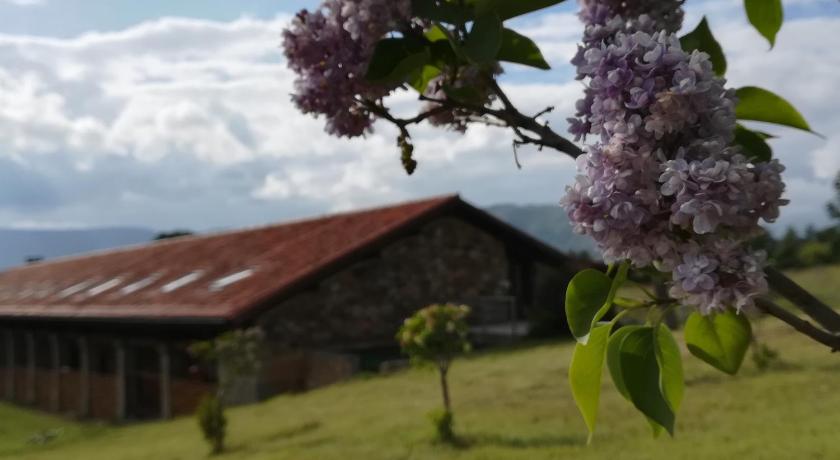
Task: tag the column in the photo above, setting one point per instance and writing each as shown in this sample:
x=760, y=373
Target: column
x=55, y=371
x=120, y=379
x=164, y=379
x=84, y=377
x=30, y=367
x=10, y=365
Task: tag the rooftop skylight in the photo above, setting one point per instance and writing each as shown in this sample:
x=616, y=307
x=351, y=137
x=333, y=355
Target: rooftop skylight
x=182, y=281
x=223, y=282
x=78, y=287
x=139, y=284
x=99, y=289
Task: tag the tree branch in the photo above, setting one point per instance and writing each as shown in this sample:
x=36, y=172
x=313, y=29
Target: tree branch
x=824, y=337
x=823, y=314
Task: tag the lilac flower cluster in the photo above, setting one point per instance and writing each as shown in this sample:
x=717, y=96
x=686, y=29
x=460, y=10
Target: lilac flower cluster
x=662, y=184
x=330, y=48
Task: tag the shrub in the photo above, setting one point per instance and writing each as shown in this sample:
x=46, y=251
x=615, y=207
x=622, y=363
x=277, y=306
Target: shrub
x=212, y=421
x=444, y=422
x=436, y=334
x=236, y=354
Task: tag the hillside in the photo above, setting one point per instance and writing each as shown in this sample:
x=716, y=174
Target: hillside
x=546, y=222
x=509, y=404
x=18, y=244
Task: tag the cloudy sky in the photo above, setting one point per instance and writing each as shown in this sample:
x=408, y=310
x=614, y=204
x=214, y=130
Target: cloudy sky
x=176, y=114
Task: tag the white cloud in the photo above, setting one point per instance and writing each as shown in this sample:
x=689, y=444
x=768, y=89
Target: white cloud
x=183, y=122
x=25, y=2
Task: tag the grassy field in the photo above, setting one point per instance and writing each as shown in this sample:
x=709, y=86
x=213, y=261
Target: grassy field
x=509, y=404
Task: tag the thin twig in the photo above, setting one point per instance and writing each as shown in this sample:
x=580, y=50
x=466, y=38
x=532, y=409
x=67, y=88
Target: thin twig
x=824, y=337
x=823, y=314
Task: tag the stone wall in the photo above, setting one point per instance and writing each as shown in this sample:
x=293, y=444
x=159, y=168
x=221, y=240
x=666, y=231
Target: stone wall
x=448, y=260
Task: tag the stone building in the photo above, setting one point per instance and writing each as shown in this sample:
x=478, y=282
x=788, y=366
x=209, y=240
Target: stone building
x=104, y=335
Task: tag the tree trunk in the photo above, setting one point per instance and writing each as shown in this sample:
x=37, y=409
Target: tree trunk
x=443, y=367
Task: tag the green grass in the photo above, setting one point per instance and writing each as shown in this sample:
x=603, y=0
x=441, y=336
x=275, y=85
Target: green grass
x=510, y=404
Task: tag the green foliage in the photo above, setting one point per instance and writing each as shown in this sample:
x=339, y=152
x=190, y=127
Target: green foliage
x=395, y=59
x=758, y=104
x=833, y=207
x=507, y=9
x=766, y=16
x=702, y=39
x=641, y=376
x=520, y=49
x=589, y=297
x=457, y=12
x=444, y=423
x=485, y=38
x=719, y=339
x=753, y=144
x=585, y=374
x=212, y=421
x=586, y=296
x=172, y=234
x=416, y=60
x=442, y=11
x=436, y=333
x=763, y=356
x=238, y=352
x=671, y=376
x=814, y=253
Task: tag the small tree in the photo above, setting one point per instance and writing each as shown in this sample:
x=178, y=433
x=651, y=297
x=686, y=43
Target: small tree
x=236, y=354
x=435, y=335
x=211, y=418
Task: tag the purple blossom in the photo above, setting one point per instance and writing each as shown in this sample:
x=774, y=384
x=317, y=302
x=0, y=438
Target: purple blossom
x=662, y=185
x=330, y=48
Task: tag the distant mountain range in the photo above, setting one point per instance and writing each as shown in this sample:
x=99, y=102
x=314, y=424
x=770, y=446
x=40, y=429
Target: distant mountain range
x=16, y=245
x=546, y=222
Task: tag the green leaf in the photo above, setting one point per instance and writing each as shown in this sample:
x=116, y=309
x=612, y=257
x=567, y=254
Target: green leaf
x=753, y=143
x=758, y=104
x=701, y=38
x=641, y=377
x=521, y=50
x=439, y=51
x=585, y=374
x=614, y=366
x=507, y=9
x=766, y=16
x=463, y=94
x=436, y=33
x=395, y=59
x=669, y=359
x=586, y=294
x=613, y=361
x=420, y=79
x=617, y=282
x=485, y=38
x=720, y=339
x=440, y=10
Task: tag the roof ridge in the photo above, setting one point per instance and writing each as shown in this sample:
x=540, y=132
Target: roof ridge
x=221, y=233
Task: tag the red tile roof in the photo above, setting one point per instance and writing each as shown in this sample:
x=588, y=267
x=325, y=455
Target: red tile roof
x=137, y=282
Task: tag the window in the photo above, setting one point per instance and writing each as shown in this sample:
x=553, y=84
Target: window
x=137, y=285
x=182, y=281
x=223, y=282
x=99, y=289
x=74, y=289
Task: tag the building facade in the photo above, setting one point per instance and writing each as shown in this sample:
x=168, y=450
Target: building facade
x=105, y=335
